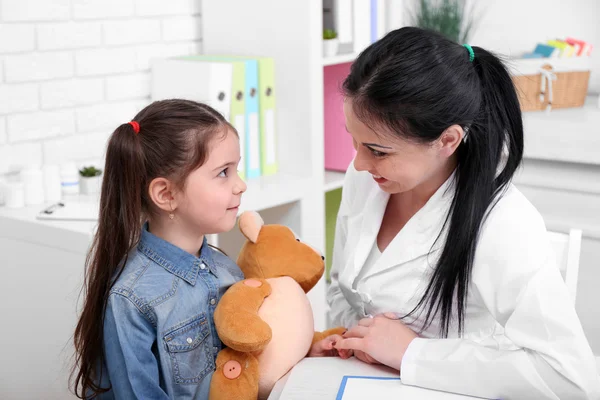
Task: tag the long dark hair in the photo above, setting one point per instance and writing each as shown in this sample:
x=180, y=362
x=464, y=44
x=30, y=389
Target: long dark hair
x=172, y=142
x=417, y=83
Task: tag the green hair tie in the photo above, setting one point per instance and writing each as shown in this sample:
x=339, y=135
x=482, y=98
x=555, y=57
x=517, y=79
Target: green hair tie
x=471, y=52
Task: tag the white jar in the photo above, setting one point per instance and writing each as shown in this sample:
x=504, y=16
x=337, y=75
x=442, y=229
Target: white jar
x=52, y=183
x=33, y=185
x=14, y=195
x=2, y=189
x=69, y=179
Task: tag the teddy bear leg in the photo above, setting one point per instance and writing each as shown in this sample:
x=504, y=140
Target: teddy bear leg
x=236, y=376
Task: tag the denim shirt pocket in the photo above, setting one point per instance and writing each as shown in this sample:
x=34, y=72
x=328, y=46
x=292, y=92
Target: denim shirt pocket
x=186, y=345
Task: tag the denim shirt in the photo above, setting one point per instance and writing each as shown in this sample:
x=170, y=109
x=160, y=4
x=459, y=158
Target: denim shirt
x=159, y=336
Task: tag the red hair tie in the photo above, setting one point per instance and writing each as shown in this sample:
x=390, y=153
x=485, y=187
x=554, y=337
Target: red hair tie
x=136, y=126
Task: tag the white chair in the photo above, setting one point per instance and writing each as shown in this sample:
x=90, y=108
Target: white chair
x=567, y=247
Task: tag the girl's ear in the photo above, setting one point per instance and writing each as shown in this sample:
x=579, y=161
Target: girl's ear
x=161, y=192
x=250, y=223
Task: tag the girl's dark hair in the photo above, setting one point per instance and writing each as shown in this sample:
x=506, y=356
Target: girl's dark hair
x=173, y=141
x=417, y=83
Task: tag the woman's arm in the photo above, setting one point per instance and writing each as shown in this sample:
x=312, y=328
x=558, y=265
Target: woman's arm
x=539, y=352
x=132, y=368
x=548, y=358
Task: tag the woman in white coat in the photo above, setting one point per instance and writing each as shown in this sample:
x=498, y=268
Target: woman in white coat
x=442, y=269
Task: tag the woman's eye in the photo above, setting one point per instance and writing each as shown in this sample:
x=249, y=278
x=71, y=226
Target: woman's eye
x=223, y=173
x=378, y=153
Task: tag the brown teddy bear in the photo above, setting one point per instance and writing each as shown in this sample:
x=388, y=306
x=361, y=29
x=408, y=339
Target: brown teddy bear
x=266, y=320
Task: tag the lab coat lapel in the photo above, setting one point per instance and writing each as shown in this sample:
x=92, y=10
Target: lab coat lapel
x=370, y=221
x=419, y=237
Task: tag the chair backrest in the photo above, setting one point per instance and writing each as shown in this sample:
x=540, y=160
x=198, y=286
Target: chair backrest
x=567, y=247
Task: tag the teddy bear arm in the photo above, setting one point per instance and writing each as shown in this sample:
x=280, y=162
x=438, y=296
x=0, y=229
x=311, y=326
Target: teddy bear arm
x=236, y=316
x=322, y=335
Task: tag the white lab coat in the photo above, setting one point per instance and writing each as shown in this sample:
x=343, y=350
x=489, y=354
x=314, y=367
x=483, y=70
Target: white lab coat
x=522, y=337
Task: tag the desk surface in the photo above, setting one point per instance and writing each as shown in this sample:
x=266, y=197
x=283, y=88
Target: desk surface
x=320, y=378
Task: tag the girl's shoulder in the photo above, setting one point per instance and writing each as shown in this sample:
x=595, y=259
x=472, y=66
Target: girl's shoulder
x=141, y=277
x=223, y=262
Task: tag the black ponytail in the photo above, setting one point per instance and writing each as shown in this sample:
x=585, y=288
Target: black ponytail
x=417, y=83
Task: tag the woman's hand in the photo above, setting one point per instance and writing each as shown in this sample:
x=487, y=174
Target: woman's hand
x=382, y=339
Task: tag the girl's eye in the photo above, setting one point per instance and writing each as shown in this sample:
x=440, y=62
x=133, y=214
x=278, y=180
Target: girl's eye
x=223, y=173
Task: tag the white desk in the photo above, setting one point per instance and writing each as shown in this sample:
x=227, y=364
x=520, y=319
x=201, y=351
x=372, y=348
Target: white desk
x=42, y=264
x=320, y=378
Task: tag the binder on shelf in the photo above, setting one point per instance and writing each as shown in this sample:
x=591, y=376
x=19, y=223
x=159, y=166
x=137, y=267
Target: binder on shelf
x=377, y=20
x=208, y=82
x=342, y=17
x=237, y=116
x=252, y=119
x=267, y=105
x=267, y=112
x=362, y=24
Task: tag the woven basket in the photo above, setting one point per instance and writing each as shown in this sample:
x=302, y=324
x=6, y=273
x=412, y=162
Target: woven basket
x=567, y=89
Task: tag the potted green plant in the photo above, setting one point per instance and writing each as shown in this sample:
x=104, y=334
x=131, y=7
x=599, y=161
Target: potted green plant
x=451, y=18
x=90, y=180
x=330, y=43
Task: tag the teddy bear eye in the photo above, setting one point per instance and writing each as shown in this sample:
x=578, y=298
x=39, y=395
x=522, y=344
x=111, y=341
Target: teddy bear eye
x=297, y=240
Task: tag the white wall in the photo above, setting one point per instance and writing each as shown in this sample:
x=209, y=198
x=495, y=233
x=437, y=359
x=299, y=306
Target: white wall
x=73, y=70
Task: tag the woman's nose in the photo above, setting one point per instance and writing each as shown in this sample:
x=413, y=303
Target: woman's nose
x=360, y=163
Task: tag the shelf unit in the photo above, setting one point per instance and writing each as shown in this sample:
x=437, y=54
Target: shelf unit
x=339, y=59
x=291, y=33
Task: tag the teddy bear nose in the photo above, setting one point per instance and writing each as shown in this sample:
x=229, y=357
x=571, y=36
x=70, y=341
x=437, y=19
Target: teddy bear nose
x=323, y=258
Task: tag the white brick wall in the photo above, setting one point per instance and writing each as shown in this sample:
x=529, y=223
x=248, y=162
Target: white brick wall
x=17, y=37
x=71, y=71
x=134, y=86
x=69, y=35
x=19, y=97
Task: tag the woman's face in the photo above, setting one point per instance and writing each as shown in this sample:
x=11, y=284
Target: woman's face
x=396, y=164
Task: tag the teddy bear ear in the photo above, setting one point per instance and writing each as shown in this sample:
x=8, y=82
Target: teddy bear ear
x=250, y=223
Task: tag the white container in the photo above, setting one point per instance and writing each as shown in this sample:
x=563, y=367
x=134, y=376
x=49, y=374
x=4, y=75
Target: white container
x=52, y=183
x=33, y=185
x=90, y=185
x=69, y=179
x=2, y=189
x=330, y=47
x=14, y=195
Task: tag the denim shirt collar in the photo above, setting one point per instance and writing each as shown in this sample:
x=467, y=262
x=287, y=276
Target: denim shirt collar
x=175, y=260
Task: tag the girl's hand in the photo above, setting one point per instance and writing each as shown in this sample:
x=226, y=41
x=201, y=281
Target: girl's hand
x=325, y=347
x=382, y=339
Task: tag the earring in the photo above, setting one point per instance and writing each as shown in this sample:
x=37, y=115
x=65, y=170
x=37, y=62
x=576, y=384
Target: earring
x=171, y=215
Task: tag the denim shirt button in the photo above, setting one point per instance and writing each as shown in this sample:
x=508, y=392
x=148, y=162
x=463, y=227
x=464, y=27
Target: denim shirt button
x=215, y=349
x=202, y=266
x=213, y=302
x=189, y=340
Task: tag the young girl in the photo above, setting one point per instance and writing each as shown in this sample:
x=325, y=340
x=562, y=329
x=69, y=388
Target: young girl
x=434, y=241
x=146, y=330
